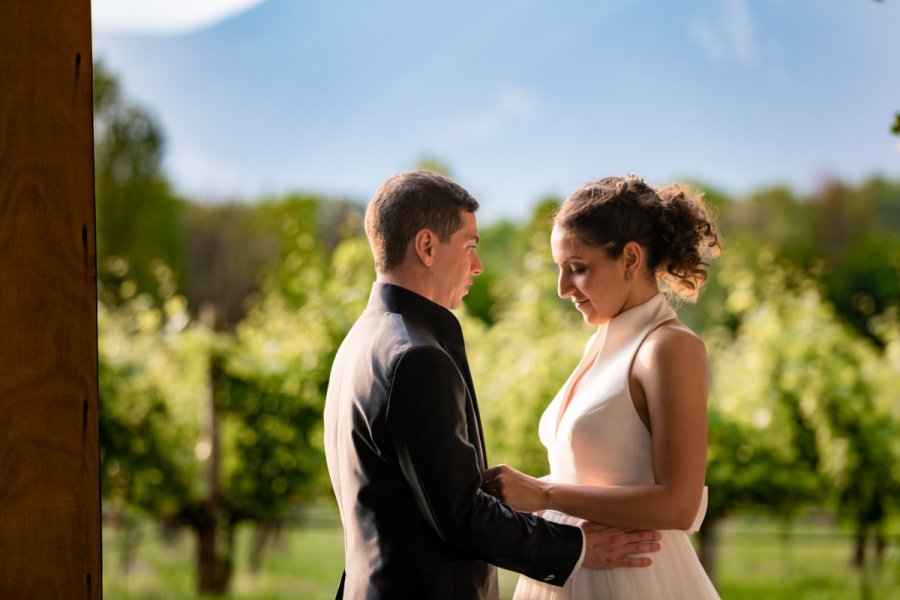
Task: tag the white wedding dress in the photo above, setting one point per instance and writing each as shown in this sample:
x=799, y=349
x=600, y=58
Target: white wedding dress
x=602, y=441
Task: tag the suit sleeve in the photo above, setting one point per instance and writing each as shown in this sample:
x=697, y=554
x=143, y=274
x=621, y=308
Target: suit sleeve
x=426, y=417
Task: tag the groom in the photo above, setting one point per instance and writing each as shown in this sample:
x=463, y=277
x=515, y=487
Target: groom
x=403, y=437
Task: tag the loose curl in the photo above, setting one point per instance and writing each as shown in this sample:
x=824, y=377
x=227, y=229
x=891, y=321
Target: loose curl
x=673, y=227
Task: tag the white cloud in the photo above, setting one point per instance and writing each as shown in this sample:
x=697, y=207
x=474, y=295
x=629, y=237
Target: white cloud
x=731, y=35
x=508, y=105
x=517, y=103
x=739, y=27
x=163, y=16
x=702, y=32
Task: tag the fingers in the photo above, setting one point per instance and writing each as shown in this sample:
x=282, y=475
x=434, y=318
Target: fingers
x=492, y=476
x=628, y=558
x=494, y=471
x=610, y=548
x=492, y=483
x=642, y=548
x=493, y=480
x=493, y=491
x=635, y=535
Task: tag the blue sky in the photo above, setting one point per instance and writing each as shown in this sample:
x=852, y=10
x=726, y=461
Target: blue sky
x=519, y=98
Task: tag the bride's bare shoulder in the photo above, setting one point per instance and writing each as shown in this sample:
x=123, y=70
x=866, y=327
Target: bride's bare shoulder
x=673, y=341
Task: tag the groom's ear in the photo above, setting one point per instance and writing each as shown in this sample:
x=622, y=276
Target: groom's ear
x=424, y=245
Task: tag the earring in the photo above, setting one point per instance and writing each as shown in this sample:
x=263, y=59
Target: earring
x=627, y=275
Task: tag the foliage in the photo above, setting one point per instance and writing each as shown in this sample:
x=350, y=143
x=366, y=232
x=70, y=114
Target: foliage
x=217, y=328
x=802, y=407
x=138, y=217
x=164, y=376
x=857, y=230
x=148, y=388
x=154, y=373
x=232, y=249
x=276, y=378
x=846, y=237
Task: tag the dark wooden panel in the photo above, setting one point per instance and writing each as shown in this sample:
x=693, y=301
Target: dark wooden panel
x=49, y=467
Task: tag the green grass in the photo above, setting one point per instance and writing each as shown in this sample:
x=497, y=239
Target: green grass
x=811, y=561
x=757, y=561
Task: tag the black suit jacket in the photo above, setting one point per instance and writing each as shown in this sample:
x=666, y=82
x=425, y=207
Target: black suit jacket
x=406, y=456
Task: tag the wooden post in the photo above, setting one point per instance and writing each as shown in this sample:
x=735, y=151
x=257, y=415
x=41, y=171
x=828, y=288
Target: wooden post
x=49, y=462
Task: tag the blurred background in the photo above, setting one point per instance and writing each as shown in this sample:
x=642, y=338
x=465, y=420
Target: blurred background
x=238, y=142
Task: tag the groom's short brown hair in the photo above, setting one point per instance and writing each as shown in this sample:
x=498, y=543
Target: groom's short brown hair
x=407, y=203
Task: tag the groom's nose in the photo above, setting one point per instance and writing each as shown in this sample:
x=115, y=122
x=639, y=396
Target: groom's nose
x=476, y=267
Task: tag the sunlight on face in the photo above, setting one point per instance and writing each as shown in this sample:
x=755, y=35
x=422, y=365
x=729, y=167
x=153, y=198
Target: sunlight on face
x=594, y=281
x=457, y=263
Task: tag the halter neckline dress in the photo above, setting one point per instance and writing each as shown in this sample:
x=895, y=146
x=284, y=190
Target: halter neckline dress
x=599, y=439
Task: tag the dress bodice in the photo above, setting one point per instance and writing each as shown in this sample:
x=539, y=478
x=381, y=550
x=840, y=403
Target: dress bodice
x=600, y=439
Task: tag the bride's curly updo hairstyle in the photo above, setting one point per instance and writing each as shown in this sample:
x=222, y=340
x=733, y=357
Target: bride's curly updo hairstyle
x=673, y=227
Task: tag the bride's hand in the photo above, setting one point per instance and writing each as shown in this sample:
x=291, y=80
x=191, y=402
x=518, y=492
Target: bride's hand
x=523, y=492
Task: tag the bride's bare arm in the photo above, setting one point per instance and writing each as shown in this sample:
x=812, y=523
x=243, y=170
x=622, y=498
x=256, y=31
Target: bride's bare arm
x=671, y=370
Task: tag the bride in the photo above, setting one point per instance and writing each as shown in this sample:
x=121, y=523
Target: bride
x=626, y=434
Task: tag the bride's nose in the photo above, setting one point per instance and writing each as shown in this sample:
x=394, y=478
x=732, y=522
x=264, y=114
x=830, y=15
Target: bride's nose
x=564, y=284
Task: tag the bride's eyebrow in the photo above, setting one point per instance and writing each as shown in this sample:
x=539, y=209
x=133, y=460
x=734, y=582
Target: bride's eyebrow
x=567, y=259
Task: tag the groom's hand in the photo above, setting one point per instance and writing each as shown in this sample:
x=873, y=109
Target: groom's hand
x=610, y=548
x=523, y=492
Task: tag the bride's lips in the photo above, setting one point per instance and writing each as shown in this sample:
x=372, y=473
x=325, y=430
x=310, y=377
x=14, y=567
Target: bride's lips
x=579, y=303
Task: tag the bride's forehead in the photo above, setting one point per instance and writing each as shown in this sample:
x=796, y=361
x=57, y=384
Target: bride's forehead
x=563, y=241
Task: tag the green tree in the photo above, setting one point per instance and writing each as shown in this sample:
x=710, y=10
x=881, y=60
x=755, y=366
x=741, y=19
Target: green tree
x=844, y=236
x=138, y=217
x=229, y=421
x=227, y=431
x=802, y=404
x=858, y=234
x=232, y=249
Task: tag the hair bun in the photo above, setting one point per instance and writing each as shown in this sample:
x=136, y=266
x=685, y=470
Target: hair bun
x=671, y=225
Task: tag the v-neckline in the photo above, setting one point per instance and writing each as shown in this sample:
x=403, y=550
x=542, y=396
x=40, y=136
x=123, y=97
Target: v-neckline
x=624, y=319
x=585, y=366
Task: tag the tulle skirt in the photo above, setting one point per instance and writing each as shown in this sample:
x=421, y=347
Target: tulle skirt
x=676, y=574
